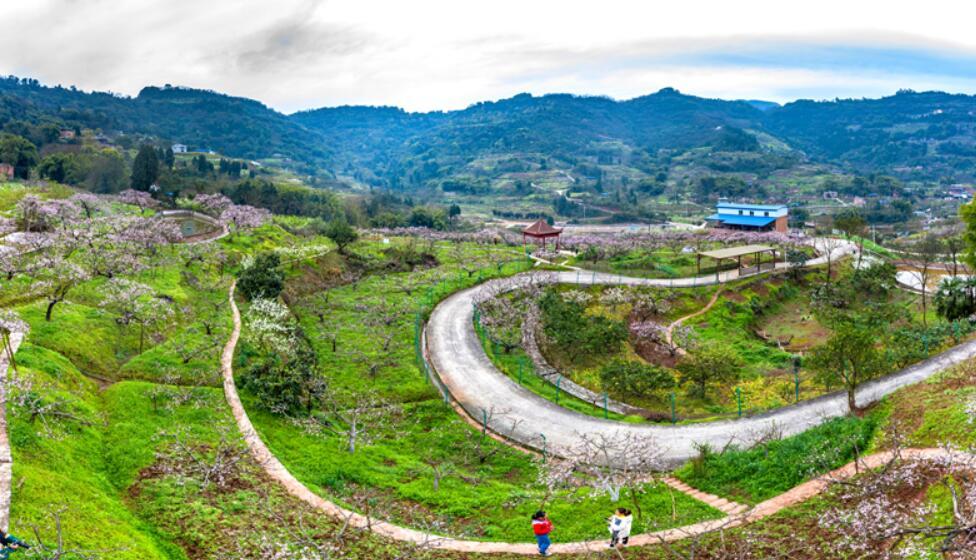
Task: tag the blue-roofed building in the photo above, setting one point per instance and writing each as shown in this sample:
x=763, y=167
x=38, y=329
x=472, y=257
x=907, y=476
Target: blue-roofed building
x=753, y=217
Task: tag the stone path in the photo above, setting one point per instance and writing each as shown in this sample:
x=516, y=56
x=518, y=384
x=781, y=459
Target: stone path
x=727, y=507
x=6, y=459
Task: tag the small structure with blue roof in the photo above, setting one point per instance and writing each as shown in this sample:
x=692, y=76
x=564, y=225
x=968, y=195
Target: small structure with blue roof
x=752, y=217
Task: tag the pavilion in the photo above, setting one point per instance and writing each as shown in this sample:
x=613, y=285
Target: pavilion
x=737, y=253
x=541, y=230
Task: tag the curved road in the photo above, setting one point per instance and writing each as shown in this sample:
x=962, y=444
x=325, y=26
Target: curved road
x=522, y=416
x=735, y=517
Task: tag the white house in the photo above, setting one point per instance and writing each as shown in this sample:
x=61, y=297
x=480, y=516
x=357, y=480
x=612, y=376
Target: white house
x=179, y=148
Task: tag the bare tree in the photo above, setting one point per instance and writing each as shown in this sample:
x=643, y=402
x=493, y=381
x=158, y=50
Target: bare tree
x=480, y=446
x=884, y=509
x=607, y=463
x=47, y=408
x=955, y=245
x=218, y=465
x=925, y=253
x=45, y=550
x=359, y=423
x=440, y=468
x=826, y=246
x=194, y=344
x=10, y=324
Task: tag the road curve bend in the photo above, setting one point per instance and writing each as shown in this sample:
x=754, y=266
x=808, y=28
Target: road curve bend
x=516, y=413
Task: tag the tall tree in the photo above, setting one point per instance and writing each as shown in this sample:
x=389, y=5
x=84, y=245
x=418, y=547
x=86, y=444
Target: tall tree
x=850, y=356
x=853, y=224
x=925, y=253
x=341, y=233
x=145, y=168
x=18, y=152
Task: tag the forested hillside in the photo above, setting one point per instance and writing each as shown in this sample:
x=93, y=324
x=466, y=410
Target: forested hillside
x=927, y=136
x=200, y=119
x=932, y=130
x=403, y=149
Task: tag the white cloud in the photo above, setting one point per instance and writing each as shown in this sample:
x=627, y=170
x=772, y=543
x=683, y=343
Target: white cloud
x=295, y=54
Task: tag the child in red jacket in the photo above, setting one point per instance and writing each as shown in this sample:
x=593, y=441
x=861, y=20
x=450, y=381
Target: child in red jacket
x=541, y=526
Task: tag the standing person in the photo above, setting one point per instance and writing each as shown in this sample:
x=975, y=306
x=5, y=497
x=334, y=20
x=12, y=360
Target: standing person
x=619, y=526
x=541, y=526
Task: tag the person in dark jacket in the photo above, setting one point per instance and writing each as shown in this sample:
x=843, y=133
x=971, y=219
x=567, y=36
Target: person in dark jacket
x=10, y=544
x=541, y=526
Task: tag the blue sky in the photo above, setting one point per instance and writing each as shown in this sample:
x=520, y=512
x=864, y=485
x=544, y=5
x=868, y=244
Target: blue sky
x=439, y=54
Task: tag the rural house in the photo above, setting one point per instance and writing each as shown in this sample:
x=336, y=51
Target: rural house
x=753, y=217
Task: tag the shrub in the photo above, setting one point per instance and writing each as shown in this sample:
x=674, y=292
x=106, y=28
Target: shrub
x=289, y=385
x=772, y=467
x=709, y=363
x=341, y=233
x=263, y=278
x=574, y=332
x=634, y=378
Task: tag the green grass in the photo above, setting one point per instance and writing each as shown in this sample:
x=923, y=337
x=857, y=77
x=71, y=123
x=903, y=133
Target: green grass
x=85, y=335
x=491, y=501
x=12, y=192
x=65, y=470
x=87, y=468
x=491, y=489
x=935, y=412
x=753, y=475
x=766, y=376
x=511, y=363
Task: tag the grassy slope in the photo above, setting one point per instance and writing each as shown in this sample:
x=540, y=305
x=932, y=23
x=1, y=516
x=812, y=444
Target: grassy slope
x=75, y=465
x=392, y=477
x=757, y=474
x=66, y=471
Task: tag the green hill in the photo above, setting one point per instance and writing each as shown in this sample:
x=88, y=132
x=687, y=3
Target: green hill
x=911, y=135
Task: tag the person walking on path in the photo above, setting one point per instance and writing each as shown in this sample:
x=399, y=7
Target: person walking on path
x=542, y=526
x=619, y=526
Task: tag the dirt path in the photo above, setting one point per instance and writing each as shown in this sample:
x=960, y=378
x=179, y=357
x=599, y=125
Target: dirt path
x=6, y=459
x=736, y=514
x=674, y=324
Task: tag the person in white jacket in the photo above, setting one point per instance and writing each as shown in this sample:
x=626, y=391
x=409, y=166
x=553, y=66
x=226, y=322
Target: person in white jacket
x=619, y=526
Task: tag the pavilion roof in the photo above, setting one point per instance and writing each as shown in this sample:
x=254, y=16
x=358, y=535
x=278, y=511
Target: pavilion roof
x=733, y=252
x=540, y=227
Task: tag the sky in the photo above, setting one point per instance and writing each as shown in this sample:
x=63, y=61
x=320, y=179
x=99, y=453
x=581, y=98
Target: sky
x=438, y=55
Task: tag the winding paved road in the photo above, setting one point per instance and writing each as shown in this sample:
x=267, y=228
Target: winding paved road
x=518, y=414
x=736, y=515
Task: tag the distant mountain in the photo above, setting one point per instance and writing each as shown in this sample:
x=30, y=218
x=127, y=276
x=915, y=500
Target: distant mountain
x=762, y=105
x=927, y=135
x=400, y=149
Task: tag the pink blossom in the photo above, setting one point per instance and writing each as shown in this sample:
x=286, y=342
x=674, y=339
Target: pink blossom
x=242, y=216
